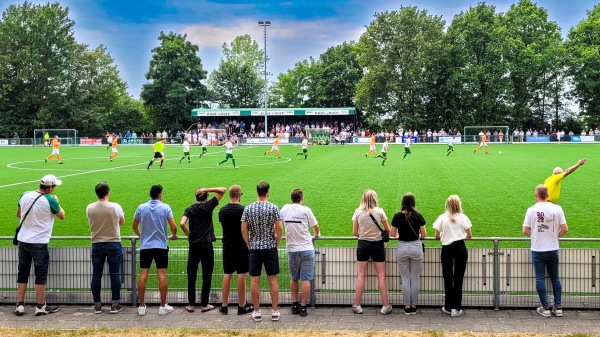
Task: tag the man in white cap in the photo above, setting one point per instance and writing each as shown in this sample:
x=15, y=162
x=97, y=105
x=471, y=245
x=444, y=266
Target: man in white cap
x=36, y=210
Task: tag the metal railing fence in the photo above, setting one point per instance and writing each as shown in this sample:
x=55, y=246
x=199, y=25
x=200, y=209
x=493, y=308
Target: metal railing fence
x=496, y=277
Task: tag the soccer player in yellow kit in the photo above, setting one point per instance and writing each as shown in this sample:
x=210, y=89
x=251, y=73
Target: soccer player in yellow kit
x=115, y=152
x=159, y=148
x=372, y=147
x=553, y=182
x=275, y=147
x=55, y=144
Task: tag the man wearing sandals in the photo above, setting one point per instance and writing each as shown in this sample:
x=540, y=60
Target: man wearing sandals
x=201, y=236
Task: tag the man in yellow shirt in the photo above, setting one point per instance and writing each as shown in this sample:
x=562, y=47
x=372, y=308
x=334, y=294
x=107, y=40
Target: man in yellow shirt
x=159, y=148
x=553, y=182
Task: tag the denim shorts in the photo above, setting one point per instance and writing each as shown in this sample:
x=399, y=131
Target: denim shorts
x=302, y=265
x=39, y=254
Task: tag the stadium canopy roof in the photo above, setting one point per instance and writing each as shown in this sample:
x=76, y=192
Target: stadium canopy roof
x=274, y=112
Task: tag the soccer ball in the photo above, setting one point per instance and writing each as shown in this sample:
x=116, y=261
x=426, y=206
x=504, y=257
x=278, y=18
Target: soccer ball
x=499, y=152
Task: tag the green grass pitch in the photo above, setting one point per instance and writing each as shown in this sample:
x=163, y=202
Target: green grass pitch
x=496, y=189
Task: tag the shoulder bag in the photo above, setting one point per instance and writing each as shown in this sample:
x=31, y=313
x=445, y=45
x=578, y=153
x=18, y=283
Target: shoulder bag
x=15, y=241
x=384, y=235
x=413, y=230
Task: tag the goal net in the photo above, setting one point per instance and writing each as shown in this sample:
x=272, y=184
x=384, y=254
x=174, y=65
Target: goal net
x=66, y=136
x=319, y=136
x=495, y=133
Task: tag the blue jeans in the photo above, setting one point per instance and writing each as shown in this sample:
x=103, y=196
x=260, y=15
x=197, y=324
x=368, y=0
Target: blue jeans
x=541, y=262
x=302, y=265
x=113, y=253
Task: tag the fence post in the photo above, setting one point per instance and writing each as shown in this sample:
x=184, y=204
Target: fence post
x=134, y=292
x=313, y=290
x=496, y=274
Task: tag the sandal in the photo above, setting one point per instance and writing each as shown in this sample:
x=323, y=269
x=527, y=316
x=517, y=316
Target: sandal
x=190, y=308
x=208, y=307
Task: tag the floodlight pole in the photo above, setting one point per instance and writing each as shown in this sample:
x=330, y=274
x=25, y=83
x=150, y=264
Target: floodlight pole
x=265, y=24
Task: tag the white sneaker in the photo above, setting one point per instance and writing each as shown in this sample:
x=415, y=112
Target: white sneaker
x=357, y=309
x=456, y=313
x=446, y=311
x=256, y=316
x=275, y=315
x=557, y=311
x=19, y=310
x=167, y=309
x=543, y=312
x=386, y=310
x=141, y=310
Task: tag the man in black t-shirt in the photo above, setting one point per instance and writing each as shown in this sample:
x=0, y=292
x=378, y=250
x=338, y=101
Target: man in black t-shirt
x=201, y=236
x=235, y=251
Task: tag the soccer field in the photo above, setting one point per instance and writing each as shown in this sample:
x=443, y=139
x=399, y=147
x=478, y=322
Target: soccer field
x=496, y=189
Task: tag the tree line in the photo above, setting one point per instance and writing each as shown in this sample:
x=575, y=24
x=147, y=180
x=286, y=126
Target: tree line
x=408, y=69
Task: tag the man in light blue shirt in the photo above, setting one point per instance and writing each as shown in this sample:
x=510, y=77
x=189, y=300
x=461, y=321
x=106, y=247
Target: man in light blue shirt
x=153, y=217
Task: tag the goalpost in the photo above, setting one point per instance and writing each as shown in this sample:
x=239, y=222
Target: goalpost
x=497, y=133
x=66, y=136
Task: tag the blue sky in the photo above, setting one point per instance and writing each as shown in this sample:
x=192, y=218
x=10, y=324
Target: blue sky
x=300, y=29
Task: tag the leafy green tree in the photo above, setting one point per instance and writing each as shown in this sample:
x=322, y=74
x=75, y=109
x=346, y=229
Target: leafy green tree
x=36, y=46
x=397, y=52
x=335, y=77
x=528, y=44
x=175, y=84
x=584, y=49
x=473, y=70
x=291, y=88
x=238, y=81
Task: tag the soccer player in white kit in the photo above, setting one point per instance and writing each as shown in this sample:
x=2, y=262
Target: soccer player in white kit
x=186, y=150
x=228, y=153
x=304, y=148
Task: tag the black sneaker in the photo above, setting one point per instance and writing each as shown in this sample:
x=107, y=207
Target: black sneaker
x=303, y=312
x=224, y=309
x=295, y=308
x=245, y=309
x=115, y=308
x=97, y=309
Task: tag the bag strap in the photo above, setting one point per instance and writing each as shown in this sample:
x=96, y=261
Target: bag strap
x=411, y=227
x=29, y=209
x=376, y=223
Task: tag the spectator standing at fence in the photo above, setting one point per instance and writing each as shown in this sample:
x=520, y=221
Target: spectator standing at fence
x=201, y=236
x=365, y=223
x=545, y=223
x=553, y=182
x=150, y=224
x=55, y=152
x=105, y=219
x=408, y=226
x=301, y=252
x=452, y=228
x=36, y=211
x=235, y=252
x=262, y=230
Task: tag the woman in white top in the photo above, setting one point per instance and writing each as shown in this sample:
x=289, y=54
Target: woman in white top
x=452, y=228
x=370, y=247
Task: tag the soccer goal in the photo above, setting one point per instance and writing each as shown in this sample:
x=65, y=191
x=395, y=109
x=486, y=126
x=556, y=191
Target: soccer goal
x=496, y=134
x=66, y=136
x=319, y=136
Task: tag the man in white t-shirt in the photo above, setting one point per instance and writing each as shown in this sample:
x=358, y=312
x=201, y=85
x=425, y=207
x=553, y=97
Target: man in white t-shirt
x=545, y=223
x=299, y=244
x=36, y=211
